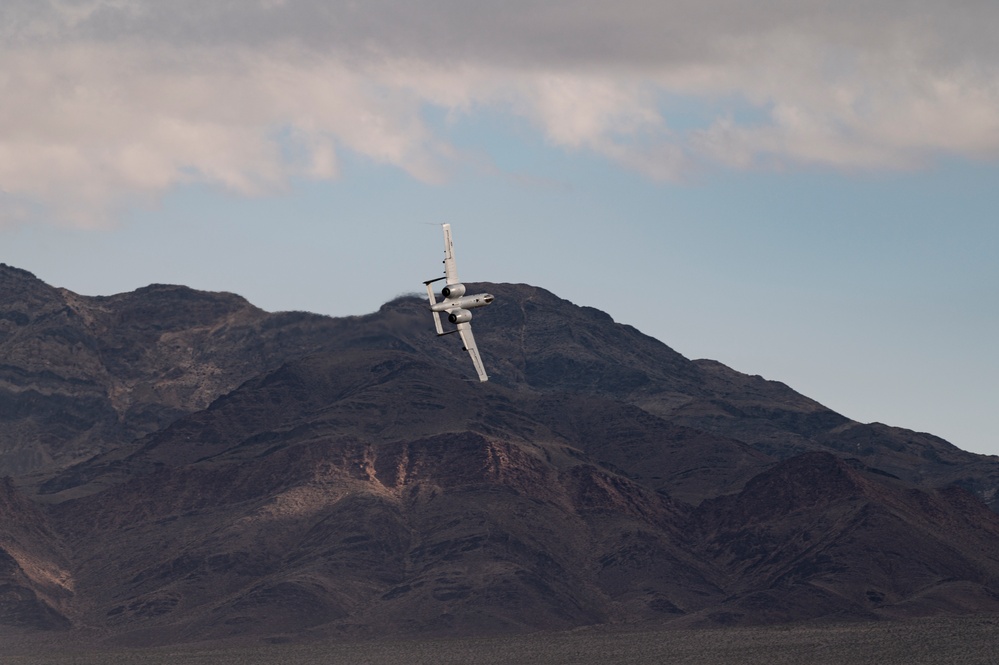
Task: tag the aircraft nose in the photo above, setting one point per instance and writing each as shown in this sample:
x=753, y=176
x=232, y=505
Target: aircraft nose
x=488, y=298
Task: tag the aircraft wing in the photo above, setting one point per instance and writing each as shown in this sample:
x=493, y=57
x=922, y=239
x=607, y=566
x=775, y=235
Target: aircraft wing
x=450, y=268
x=465, y=330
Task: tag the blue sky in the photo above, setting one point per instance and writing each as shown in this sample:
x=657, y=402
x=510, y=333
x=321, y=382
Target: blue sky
x=806, y=193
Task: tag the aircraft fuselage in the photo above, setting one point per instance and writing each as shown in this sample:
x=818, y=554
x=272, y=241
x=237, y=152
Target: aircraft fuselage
x=464, y=302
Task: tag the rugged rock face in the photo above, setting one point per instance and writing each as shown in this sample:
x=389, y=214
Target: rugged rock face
x=819, y=535
x=187, y=466
x=421, y=519
x=80, y=376
x=36, y=586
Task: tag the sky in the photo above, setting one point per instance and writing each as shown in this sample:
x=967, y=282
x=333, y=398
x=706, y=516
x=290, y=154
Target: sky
x=806, y=190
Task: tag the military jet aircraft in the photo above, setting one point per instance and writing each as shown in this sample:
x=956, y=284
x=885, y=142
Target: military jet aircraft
x=457, y=304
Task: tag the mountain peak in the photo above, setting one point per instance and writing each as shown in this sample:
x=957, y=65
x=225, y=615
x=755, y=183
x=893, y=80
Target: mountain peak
x=11, y=272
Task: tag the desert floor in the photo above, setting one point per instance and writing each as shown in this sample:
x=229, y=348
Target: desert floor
x=939, y=641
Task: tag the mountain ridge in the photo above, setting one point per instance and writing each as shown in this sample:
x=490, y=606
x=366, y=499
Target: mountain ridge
x=199, y=469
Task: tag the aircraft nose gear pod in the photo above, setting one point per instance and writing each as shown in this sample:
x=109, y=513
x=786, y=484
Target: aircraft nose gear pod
x=457, y=304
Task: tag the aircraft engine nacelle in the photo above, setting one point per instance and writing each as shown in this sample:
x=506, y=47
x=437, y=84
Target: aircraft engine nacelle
x=453, y=291
x=459, y=316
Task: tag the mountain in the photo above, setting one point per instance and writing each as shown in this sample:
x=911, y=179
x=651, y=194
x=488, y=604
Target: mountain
x=818, y=534
x=82, y=375
x=35, y=577
x=186, y=466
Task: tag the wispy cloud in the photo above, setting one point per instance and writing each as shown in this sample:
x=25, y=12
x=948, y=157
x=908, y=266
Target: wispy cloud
x=110, y=102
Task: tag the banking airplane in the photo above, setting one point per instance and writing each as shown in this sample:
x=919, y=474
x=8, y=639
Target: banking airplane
x=457, y=304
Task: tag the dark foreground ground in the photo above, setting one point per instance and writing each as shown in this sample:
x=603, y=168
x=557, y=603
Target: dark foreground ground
x=938, y=641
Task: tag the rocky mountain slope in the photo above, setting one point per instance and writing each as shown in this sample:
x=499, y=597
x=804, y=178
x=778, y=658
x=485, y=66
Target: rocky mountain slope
x=186, y=466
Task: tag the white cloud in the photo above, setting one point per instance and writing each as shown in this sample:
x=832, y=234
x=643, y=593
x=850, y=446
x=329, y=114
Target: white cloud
x=108, y=102
x=84, y=127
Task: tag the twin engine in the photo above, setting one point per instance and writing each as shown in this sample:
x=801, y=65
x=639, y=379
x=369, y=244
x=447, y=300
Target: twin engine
x=453, y=291
x=459, y=316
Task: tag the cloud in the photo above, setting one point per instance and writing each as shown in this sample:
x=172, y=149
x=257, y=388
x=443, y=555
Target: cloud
x=109, y=103
x=88, y=126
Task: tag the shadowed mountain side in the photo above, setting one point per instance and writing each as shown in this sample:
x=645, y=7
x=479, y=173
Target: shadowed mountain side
x=203, y=469
x=87, y=375
x=364, y=533
x=689, y=464
x=81, y=375
x=375, y=396
x=301, y=500
x=357, y=393
x=533, y=340
x=819, y=536
x=36, y=585
x=920, y=458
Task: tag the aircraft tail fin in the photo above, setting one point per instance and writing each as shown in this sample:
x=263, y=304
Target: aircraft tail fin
x=433, y=301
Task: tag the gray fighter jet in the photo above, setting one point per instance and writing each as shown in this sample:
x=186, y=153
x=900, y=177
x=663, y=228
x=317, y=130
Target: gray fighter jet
x=457, y=304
